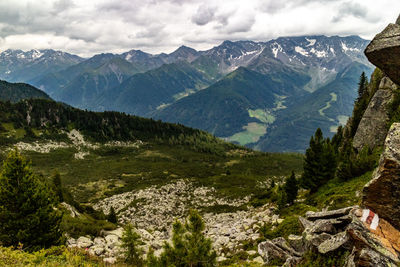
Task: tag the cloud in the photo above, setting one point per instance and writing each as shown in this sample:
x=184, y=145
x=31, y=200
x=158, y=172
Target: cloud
x=204, y=15
x=350, y=9
x=93, y=26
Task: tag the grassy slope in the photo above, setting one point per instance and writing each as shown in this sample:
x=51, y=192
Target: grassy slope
x=170, y=152
x=294, y=125
x=222, y=108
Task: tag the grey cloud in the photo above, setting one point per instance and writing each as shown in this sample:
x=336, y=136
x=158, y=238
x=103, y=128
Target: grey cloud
x=243, y=25
x=62, y=5
x=273, y=6
x=204, y=15
x=350, y=9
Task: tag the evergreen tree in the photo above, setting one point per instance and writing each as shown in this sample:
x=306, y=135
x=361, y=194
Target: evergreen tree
x=319, y=163
x=291, y=188
x=58, y=186
x=112, y=216
x=362, y=86
x=361, y=103
x=27, y=214
x=131, y=242
x=189, y=248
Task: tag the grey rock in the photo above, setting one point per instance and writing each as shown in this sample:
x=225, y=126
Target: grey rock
x=384, y=49
x=96, y=250
x=259, y=260
x=296, y=242
x=372, y=128
x=110, y=260
x=291, y=262
x=112, y=241
x=276, y=249
x=333, y=243
x=99, y=241
x=324, y=226
x=306, y=224
x=371, y=258
x=314, y=240
x=313, y=216
x=269, y=251
x=84, y=242
x=71, y=242
x=382, y=193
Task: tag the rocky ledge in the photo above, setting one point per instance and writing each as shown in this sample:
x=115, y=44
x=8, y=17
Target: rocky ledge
x=329, y=231
x=382, y=49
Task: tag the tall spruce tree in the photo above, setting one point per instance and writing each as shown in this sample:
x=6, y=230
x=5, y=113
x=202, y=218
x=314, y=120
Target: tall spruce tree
x=27, y=214
x=362, y=86
x=112, y=216
x=319, y=163
x=58, y=186
x=291, y=188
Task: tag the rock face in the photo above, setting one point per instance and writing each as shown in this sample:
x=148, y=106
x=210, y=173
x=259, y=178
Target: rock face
x=329, y=231
x=372, y=129
x=382, y=193
x=382, y=49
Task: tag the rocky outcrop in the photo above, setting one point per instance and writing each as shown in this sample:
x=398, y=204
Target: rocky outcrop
x=328, y=231
x=382, y=193
x=372, y=129
x=382, y=50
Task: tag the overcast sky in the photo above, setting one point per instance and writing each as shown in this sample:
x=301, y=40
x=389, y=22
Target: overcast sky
x=87, y=27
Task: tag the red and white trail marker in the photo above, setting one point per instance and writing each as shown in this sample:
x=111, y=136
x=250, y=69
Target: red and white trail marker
x=371, y=218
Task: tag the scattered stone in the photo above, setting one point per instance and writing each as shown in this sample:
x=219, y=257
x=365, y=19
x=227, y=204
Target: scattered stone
x=110, y=260
x=296, y=242
x=84, y=242
x=259, y=260
x=311, y=215
x=333, y=243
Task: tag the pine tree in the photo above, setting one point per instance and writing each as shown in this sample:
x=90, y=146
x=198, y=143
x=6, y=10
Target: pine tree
x=362, y=86
x=112, y=216
x=58, y=186
x=319, y=163
x=131, y=242
x=189, y=245
x=27, y=214
x=291, y=188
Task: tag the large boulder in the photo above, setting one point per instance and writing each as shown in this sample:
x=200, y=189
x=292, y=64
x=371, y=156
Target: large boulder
x=384, y=51
x=382, y=193
x=372, y=129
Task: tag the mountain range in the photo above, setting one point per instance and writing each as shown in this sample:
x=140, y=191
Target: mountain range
x=251, y=93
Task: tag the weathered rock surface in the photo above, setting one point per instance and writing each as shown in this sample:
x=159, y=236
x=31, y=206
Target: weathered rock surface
x=382, y=193
x=369, y=247
x=372, y=129
x=312, y=216
x=382, y=49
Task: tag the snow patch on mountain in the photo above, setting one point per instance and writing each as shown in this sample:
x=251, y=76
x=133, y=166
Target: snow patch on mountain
x=311, y=42
x=319, y=53
x=276, y=48
x=345, y=48
x=301, y=51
